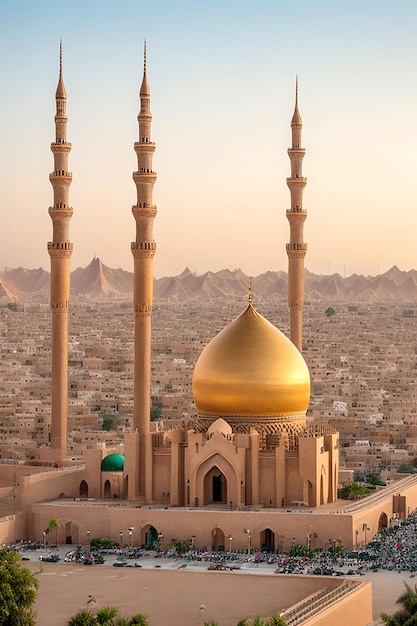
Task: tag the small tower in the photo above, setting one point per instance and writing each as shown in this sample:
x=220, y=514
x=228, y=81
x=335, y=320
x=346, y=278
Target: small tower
x=60, y=250
x=143, y=250
x=296, y=215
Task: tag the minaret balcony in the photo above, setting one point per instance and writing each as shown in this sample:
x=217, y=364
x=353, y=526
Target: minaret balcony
x=60, y=174
x=60, y=245
x=61, y=146
x=296, y=246
x=145, y=171
x=297, y=179
x=143, y=245
x=297, y=209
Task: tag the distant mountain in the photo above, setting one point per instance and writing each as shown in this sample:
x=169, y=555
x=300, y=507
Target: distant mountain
x=98, y=280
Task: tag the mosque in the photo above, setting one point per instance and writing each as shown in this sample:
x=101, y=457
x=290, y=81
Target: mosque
x=248, y=472
x=250, y=445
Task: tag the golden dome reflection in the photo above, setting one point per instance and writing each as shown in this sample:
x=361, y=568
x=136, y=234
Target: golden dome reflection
x=251, y=369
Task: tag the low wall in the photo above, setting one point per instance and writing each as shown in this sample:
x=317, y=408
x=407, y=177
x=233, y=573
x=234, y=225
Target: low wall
x=13, y=527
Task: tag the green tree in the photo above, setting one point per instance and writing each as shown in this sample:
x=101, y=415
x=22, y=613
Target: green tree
x=156, y=412
x=276, y=620
x=407, y=616
x=83, y=618
x=300, y=549
x=375, y=479
x=139, y=619
x=406, y=469
x=106, y=615
x=18, y=589
x=110, y=422
x=54, y=523
x=353, y=491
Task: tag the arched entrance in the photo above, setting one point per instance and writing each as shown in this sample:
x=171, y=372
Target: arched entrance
x=83, y=489
x=71, y=533
x=382, y=522
x=107, y=489
x=217, y=539
x=150, y=537
x=268, y=540
x=215, y=487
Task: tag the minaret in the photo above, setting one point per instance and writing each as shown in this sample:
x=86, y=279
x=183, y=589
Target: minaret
x=60, y=250
x=143, y=250
x=296, y=215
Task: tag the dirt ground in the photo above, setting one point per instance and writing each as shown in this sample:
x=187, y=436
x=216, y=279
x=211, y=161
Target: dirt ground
x=177, y=598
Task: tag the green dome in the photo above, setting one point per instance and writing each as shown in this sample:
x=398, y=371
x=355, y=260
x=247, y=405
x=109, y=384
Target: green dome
x=113, y=463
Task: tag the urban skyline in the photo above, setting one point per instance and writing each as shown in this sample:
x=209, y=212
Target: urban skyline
x=223, y=85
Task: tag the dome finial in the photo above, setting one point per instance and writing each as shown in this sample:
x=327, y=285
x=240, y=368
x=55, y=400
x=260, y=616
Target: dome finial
x=60, y=57
x=144, y=56
x=250, y=296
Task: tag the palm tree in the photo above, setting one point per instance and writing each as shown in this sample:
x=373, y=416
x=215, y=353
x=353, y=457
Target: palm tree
x=83, y=618
x=258, y=621
x=138, y=620
x=54, y=523
x=106, y=615
x=277, y=620
x=407, y=616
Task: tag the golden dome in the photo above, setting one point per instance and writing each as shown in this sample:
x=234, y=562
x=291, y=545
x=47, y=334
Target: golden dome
x=251, y=369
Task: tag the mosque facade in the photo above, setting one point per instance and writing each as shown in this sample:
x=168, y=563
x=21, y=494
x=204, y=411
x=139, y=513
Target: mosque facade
x=250, y=445
x=249, y=470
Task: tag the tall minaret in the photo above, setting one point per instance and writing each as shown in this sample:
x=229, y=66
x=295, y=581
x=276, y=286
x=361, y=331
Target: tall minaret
x=143, y=250
x=60, y=250
x=296, y=215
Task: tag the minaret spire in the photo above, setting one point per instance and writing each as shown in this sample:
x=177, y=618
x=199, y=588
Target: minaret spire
x=296, y=249
x=60, y=250
x=143, y=249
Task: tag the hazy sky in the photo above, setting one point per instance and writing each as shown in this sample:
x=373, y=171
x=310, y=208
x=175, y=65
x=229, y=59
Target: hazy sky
x=222, y=77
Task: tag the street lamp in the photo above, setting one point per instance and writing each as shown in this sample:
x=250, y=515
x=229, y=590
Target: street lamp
x=44, y=538
x=230, y=543
x=131, y=529
x=357, y=533
x=88, y=539
x=193, y=542
x=160, y=541
x=247, y=531
x=121, y=538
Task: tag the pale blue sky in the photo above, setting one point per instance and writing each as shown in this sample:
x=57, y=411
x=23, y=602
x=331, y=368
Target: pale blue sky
x=222, y=77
